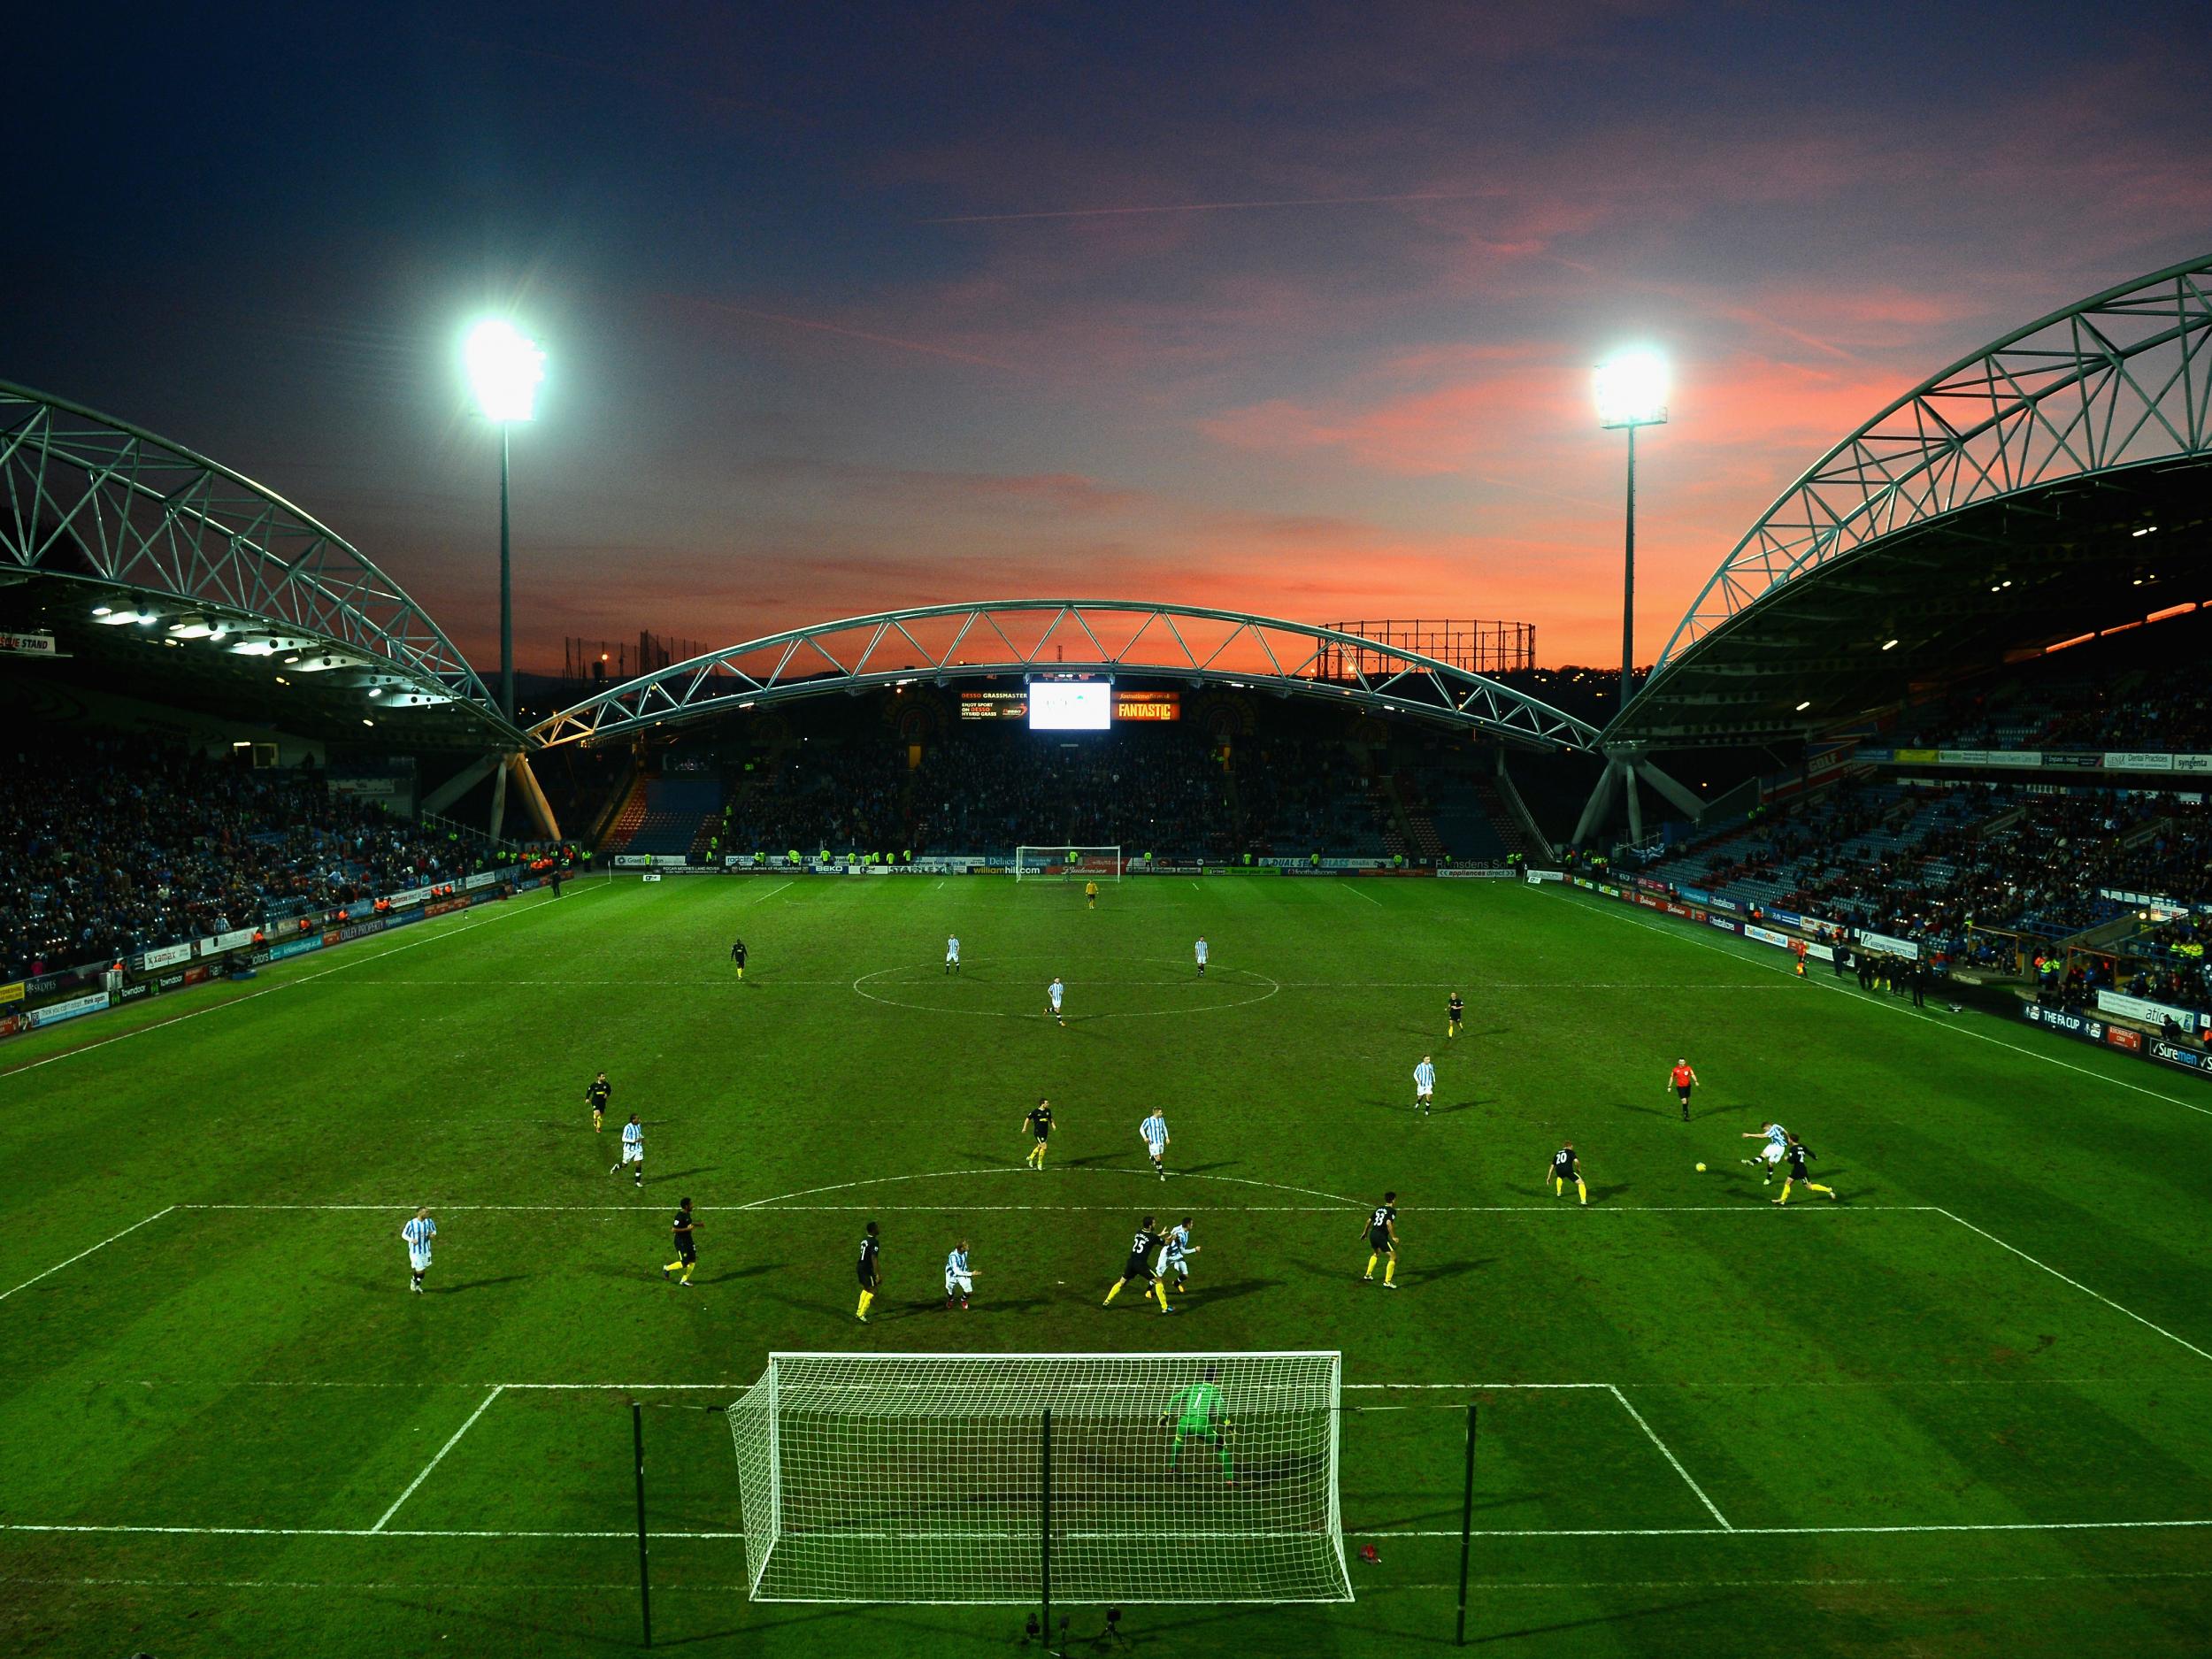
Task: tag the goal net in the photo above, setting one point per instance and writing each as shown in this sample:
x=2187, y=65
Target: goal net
x=958, y=1478
x=1067, y=863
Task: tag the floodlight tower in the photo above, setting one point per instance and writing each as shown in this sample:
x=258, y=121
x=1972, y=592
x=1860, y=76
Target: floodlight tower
x=505, y=368
x=1631, y=391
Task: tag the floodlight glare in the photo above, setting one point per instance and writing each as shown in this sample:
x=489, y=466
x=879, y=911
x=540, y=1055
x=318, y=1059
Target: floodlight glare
x=505, y=368
x=1631, y=390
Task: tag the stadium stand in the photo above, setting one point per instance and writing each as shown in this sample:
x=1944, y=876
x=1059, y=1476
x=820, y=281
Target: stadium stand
x=115, y=847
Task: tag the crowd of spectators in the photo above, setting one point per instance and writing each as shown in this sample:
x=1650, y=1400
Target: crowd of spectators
x=1169, y=793
x=2090, y=705
x=1952, y=865
x=1150, y=792
x=114, y=846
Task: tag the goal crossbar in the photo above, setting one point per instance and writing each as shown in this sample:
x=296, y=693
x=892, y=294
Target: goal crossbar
x=1065, y=862
x=1092, y=1478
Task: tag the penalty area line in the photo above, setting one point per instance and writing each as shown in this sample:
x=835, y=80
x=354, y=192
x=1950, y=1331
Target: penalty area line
x=80, y=1255
x=2075, y=1283
x=1650, y=1434
x=481, y=1408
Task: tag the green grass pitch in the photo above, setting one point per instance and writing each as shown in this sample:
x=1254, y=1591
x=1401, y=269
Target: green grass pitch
x=1968, y=1409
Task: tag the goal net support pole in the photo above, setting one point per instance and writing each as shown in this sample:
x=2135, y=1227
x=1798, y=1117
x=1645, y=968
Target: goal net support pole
x=970, y=1479
x=1067, y=863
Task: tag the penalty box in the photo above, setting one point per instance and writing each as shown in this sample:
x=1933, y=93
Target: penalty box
x=2040, y=1353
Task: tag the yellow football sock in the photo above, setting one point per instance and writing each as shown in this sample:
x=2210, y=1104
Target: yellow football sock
x=1370, y=1263
x=1581, y=1192
x=688, y=1267
x=1814, y=1186
x=1159, y=1290
x=866, y=1296
x=1785, y=1198
x=673, y=1266
x=1115, y=1292
x=1389, y=1269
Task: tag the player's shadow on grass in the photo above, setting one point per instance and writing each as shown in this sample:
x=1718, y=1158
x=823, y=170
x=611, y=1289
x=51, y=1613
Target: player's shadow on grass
x=754, y=1271
x=1210, y=1294
x=1201, y=1169
x=1599, y=1194
x=1445, y=1270
x=1461, y=1106
x=678, y=1175
x=477, y=1284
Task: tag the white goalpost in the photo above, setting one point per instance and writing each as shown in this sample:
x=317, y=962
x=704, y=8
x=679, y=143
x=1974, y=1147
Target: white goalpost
x=1087, y=1477
x=1067, y=863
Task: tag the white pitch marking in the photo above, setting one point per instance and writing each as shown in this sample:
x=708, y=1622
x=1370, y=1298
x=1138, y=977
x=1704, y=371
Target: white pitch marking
x=80, y=1255
x=271, y=990
x=1712, y=1508
x=1369, y=897
x=2075, y=1283
x=440, y=1458
x=1845, y=990
x=1785, y=1531
x=780, y=1206
x=1575, y=1531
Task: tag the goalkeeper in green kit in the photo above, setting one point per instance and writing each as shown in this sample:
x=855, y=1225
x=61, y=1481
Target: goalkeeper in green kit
x=1199, y=1413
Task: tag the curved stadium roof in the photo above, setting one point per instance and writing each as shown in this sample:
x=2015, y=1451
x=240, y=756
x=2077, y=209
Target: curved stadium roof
x=227, y=587
x=2055, y=482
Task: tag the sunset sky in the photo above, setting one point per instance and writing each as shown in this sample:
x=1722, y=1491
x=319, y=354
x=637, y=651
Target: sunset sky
x=1275, y=308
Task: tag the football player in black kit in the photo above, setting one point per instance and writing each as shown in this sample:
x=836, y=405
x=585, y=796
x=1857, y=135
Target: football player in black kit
x=867, y=1270
x=1138, y=1270
x=1382, y=1241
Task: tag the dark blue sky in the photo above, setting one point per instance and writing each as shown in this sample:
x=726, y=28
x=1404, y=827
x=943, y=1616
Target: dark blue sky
x=1283, y=309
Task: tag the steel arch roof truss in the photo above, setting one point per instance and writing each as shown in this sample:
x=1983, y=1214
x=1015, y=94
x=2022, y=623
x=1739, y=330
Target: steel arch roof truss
x=1019, y=637
x=95, y=499
x=2122, y=380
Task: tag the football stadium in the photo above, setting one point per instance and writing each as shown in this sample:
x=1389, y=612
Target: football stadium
x=1075, y=1123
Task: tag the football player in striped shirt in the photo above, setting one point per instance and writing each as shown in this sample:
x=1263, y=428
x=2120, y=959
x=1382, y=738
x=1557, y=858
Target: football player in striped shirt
x=1053, y=994
x=1778, y=1146
x=1138, y=1269
x=1565, y=1167
x=1202, y=952
x=1798, y=1153
x=952, y=953
x=1382, y=1241
x=1423, y=1085
x=1153, y=1130
x=868, y=1270
x=1175, y=1252
x=633, y=1150
x=687, y=1252
x=959, y=1277
x=419, y=1233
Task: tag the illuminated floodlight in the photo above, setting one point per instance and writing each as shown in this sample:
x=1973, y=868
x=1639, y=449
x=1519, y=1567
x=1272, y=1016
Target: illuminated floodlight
x=1631, y=389
x=116, y=618
x=505, y=368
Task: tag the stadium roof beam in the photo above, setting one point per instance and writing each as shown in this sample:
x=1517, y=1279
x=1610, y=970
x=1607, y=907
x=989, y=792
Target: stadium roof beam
x=2027, y=467
x=1013, y=638
x=119, y=516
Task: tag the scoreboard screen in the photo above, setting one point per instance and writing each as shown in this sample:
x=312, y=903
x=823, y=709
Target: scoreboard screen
x=1071, y=705
x=1144, y=707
